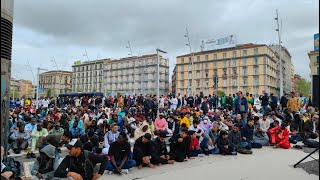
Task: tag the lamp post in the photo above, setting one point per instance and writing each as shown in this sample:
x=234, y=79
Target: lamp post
x=37, y=92
x=190, y=63
x=158, y=75
x=34, y=78
x=279, y=30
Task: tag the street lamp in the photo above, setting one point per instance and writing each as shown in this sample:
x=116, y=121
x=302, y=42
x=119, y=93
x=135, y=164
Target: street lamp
x=158, y=75
x=279, y=30
x=190, y=63
x=34, y=78
x=37, y=92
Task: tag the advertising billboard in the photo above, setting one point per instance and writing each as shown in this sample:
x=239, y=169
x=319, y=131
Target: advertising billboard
x=316, y=42
x=224, y=42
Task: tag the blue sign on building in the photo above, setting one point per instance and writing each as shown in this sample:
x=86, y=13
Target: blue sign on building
x=316, y=42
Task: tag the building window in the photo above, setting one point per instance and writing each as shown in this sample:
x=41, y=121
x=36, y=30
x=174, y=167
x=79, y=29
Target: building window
x=215, y=72
x=198, y=66
x=224, y=83
x=234, y=62
x=256, y=60
x=225, y=63
x=317, y=59
x=198, y=58
x=255, y=71
x=198, y=75
x=255, y=81
x=215, y=57
x=206, y=57
x=235, y=71
x=182, y=60
x=234, y=54
x=256, y=51
x=245, y=61
x=215, y=64
x=234, y=82
x=190, y=75
x=198, y=83
x=245, y=81
x=245, y=71
x=182, y=68
x=224, y=55
x=224, y=71
x=244, y=52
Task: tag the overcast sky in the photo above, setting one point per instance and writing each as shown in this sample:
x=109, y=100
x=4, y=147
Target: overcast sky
x=65, y=29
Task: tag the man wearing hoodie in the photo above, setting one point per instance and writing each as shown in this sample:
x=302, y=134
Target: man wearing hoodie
x=142, y=130
x=45, y=164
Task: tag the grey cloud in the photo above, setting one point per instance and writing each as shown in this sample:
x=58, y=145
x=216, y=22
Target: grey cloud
x=107, y=25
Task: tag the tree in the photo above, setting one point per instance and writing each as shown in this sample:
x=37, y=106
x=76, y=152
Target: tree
x=49, y=92
x=220, y=93
x=16, y=92
x=303, y=87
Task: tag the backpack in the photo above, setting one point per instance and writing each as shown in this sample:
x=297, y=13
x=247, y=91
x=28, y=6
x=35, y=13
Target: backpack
x=15, y=166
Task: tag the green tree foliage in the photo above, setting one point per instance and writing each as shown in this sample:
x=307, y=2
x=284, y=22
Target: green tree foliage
x=303, y=87
x=220, y=93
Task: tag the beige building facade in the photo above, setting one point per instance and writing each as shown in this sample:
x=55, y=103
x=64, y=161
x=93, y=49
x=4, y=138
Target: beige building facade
x=88, y=76
x=136, y=75
x=314, y=62
x=21, y=88
x=57, y=81
x=249, y=67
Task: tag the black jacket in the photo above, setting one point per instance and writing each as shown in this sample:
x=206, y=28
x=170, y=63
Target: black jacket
x=81, y=165
x=180, y=148
x=159, y=149
x=148, y=104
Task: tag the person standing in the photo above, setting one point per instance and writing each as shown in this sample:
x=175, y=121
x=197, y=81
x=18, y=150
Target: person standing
x=148, y=106
x=273, y=102
x=174, y=103
x=241, y=106
x=284, y=102
x=155, y=107
x=293, y=103
x=264, y=102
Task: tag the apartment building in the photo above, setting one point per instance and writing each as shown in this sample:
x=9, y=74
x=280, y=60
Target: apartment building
x=57, y=81
x=249, y=67
x=136, y=75
x=287, y=70
x=21, y=88
x=88, y=76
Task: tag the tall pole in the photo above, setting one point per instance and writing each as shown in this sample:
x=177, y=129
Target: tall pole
x=280, y=53
x=158, y=76
x=34, y=78
x=134, y=68
x=191, y=57
x=37, y=92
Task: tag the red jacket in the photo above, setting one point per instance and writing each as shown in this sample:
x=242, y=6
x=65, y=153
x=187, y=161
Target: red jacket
x=194, y=144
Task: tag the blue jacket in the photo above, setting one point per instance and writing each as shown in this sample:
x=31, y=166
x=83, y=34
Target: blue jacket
x=244, y=102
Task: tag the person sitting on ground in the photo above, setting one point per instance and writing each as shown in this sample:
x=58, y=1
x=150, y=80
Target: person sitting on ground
x=91, y=138
x=238, y=120
x=235, y=139
x=151, y=125
x=75, y=130
x=80, y=164
x=294, y=137
x=247, y=133
x=279, y=136
x=6, y=172
x=57, y=140
x=311, y=127
x=119, y=153
x=196, y=128
x=160, y=124
x=19, y=139
x=184, y=120
x=224, y=145
x=208, y=144
x=260, y=135
x=110, y=137
x=45, y=164
x=31, y=126
x=205, y=124
x=57, y=129
x=142, y=130
x=37, y=136
x=180, y=146
x=160, y=153
x=223, y=127
x=228, y=121
x=195, y=149
x=142, y=151
x=173, y=126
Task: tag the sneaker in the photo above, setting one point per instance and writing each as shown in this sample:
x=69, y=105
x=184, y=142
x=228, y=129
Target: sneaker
x=33, y=155
x=28, y=156
x=110, y=172
x=234, y=153
x=125, y=171
x=16, y=151
x=200, y=155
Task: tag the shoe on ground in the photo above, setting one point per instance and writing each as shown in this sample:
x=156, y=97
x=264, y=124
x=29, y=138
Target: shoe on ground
x=125, y=171
x=33, y=155
x=200, y=155
x=16, y=151
x=28, y=156
x=234, y=153
x=110, y=172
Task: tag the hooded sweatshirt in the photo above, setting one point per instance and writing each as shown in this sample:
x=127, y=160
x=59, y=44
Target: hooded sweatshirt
x=138, y=132
x=44, y=166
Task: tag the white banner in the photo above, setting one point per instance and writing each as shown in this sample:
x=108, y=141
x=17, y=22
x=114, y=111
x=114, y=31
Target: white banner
x=229, y=41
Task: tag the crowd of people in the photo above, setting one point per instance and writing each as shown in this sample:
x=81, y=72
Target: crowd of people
x=122, y=132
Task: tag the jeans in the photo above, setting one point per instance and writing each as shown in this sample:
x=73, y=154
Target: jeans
x=252, y=145
x=295, y=139
x=195, y=153
x=204, y=146
x=264, y=109
x=128, y=165
x=244, y=118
